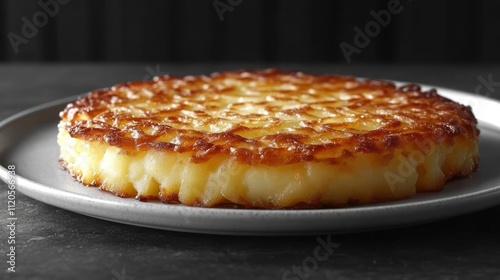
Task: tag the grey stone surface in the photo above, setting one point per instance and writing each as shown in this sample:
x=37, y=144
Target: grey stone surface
x=56, y=244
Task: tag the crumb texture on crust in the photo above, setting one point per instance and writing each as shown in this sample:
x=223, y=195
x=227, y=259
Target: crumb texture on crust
x=267, y=139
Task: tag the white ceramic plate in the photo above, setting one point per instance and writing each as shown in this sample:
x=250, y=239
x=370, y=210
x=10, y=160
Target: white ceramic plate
x=28, y=141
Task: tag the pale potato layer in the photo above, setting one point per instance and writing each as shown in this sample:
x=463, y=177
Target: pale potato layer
x=173, y=177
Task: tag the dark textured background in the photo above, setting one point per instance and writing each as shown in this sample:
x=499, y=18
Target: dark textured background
x=103, y=42
x=55, y=244
x=255, y=30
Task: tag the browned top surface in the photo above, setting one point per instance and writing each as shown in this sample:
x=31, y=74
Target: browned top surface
x=268, y=117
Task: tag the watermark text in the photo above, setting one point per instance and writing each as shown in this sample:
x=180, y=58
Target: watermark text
x=362, y=38
x=39, y=19
x=223, y=6
x=11, y=219
x=310, y=264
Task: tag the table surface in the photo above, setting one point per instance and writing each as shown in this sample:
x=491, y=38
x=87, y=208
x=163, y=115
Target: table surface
x=52, y=243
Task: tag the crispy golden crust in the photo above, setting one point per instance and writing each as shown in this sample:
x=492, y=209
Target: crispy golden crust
x=340, y=140
x=377, y=116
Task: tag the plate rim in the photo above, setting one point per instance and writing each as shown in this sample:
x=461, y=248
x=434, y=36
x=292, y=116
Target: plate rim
x=26, y=186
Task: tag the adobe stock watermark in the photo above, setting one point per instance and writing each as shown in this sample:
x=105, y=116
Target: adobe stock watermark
x=12, y=219
x=485, y=87
x=222, y=6
x=408, y=165
x=122, y=275
x=310, y=264
x=30, y=28
x=226, y=173
x=153, y=72
x=372, y=29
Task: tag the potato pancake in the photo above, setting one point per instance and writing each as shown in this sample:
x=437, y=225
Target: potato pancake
x=267, y=139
